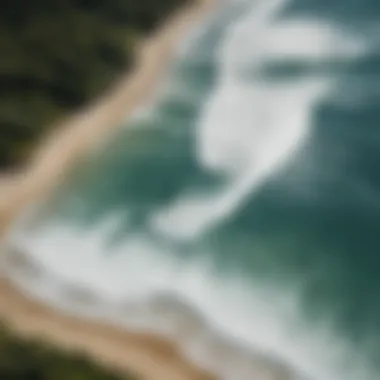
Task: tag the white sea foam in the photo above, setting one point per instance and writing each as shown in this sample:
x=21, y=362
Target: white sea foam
x=251, y=128
x=234, y=328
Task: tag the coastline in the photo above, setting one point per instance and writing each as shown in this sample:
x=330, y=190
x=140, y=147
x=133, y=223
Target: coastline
x=76, y=135
x=148, y=356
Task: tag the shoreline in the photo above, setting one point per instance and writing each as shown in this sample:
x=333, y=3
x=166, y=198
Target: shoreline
x=79, y=133
x=190, y=346
x=146, y=355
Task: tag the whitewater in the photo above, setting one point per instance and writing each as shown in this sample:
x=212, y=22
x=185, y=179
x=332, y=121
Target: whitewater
x=238, y=213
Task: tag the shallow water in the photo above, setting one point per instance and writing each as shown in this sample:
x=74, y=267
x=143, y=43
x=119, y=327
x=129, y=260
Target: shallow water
x=242, y=206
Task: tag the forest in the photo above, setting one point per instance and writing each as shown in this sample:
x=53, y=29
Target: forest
x=26, y=359
x=58, y=55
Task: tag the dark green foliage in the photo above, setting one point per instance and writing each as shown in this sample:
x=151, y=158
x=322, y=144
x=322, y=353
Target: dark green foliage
x=33, y=360
x=57, y=55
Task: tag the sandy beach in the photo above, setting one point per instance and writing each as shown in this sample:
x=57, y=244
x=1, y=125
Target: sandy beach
x=147, y=356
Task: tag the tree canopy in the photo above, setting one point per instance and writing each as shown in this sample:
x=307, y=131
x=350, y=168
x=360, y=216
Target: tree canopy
x=22, y=359
x=57, y=55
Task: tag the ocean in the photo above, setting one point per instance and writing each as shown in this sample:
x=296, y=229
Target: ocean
x=239, y=212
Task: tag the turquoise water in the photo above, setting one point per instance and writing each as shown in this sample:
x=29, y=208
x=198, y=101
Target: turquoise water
x=249, y=191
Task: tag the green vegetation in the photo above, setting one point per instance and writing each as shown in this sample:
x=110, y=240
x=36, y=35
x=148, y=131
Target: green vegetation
x=32, y=360
x=57, y=55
